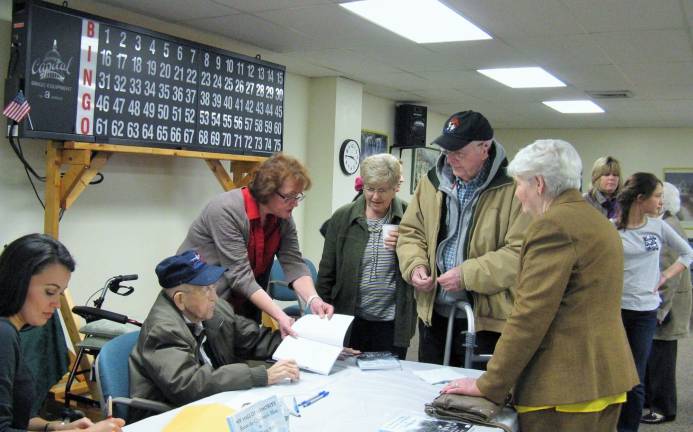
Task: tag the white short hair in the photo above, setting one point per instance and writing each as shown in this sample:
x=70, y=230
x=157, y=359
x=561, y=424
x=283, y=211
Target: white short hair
x=671, y=198
x=555, y=160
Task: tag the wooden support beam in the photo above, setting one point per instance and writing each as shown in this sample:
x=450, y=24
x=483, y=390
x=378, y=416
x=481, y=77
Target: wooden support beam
x=114, y=148
x=241, y=172
x=87, y=174
x=84, y=160
x=221, y=174
x=52, y=194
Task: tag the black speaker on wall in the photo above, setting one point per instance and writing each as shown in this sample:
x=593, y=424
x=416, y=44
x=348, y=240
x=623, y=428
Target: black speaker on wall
x=410, y=126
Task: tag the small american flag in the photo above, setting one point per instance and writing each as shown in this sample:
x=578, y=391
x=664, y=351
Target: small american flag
x=18, y=108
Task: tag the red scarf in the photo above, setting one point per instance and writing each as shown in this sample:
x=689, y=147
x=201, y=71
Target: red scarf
x=263, y=242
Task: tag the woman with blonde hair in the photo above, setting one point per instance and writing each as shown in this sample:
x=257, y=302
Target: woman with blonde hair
x=606, y=183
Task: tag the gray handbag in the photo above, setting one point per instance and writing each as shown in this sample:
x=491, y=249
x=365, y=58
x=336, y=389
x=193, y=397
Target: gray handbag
x=471, y=409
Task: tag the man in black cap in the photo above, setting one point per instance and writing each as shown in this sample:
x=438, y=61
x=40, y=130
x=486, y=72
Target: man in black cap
x=192, y=346
x=460, y=239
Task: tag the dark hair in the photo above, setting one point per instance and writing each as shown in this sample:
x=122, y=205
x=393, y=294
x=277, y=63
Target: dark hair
x=639, y=184
x=22, y=259
x=270, y=175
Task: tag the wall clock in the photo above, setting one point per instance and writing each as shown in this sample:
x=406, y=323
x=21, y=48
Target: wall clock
x=349, y=156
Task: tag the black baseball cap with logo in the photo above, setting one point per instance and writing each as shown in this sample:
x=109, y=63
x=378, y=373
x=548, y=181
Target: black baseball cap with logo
x=462, y=128
x=187, y=268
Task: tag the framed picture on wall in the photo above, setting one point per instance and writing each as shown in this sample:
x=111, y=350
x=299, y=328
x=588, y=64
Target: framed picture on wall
x=424, y=159
x=372, y=142
x=682, y=178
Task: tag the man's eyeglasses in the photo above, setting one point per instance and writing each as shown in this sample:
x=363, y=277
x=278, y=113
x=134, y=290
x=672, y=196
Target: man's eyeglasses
x=288, y=198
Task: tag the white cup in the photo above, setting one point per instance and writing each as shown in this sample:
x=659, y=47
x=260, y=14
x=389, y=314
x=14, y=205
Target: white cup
x=387, y=229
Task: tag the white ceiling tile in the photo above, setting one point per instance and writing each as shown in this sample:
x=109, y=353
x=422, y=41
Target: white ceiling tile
x=255, y=31
x=530, y=17
x=661, y=74
x=616, y=15
x=560, y=49
x=650, y=46
x=331, y=26
x=175, y=10
x=265, y=5
x=595, y=77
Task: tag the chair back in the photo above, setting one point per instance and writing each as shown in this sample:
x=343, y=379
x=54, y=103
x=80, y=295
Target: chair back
x=278, y=287
x=113, y=372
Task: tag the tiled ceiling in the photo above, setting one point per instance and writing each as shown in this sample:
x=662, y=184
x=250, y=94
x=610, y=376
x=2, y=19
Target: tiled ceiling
x=644, y=46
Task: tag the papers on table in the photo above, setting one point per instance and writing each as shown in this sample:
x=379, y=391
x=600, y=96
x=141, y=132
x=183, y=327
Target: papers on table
x=438, y=375
x=319, y=342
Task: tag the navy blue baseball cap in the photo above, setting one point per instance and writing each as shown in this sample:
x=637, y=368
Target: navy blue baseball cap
x=462, y=128
x=187, y=268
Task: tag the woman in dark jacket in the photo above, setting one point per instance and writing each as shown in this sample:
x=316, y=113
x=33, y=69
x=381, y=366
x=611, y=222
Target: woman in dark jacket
x=359, y=273
x=34, y=273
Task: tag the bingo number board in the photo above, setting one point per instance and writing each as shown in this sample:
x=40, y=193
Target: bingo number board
x=95, y=80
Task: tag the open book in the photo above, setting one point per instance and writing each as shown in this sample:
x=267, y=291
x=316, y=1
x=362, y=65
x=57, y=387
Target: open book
x=319, y=342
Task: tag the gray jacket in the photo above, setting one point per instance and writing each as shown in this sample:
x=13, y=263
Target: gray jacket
x=675, y=310
x=221, y=234
x=165, y=365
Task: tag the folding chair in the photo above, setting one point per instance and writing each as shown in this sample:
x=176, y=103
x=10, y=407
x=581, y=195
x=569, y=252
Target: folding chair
x=113, y=377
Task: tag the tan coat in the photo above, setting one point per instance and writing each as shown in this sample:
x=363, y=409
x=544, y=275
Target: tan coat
x=564, y=341
x=490, y=271
x=675, y=310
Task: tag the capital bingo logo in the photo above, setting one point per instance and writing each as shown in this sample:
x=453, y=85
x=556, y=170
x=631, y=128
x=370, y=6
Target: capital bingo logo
x=52, y=66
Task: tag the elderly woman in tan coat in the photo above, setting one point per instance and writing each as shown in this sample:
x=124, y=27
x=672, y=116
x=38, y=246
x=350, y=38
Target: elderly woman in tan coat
x=673, y=317
x=563, y=349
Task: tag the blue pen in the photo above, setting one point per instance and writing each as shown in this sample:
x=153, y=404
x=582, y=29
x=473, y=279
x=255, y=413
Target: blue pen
x=314, y=399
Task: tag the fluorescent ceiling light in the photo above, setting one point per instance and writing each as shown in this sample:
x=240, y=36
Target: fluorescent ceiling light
x=423, y=21
x=523, y=77
x=574, y=106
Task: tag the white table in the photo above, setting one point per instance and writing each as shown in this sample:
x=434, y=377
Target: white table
x=358, y=400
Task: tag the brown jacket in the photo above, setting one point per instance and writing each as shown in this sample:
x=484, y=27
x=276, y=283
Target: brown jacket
x=492, y=248
x=564, y=341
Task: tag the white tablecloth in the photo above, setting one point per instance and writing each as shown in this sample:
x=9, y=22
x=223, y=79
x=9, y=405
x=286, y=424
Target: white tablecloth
x=358, y=400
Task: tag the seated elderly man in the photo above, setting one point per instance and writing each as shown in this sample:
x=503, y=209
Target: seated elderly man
x=192, y=346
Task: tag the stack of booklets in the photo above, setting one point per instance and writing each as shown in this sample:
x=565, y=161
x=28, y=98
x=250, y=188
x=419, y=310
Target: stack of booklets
x=420, y=423
x=376, y=360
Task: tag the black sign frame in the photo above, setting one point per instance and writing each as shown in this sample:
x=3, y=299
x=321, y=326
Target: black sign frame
x=259, y=122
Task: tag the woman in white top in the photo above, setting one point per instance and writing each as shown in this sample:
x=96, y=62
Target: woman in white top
x=643, y=238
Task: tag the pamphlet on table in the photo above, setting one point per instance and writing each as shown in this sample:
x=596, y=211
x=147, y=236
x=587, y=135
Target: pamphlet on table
x=319, y=342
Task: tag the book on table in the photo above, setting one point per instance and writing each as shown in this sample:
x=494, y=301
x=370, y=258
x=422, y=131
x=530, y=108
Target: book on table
x=318, y=344
x=377, y=360
x=421, y=423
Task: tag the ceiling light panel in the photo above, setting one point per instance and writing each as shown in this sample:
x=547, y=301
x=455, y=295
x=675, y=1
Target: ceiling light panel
x=575, y=106
x=422, y=21
x=523, y=77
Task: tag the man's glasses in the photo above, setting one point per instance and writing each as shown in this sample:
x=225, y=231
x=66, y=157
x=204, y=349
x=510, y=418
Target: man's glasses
x=289, y=198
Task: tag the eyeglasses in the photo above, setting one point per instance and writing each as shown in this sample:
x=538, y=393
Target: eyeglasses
x=381, y=191
x=459, y=153
x=289, y=198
